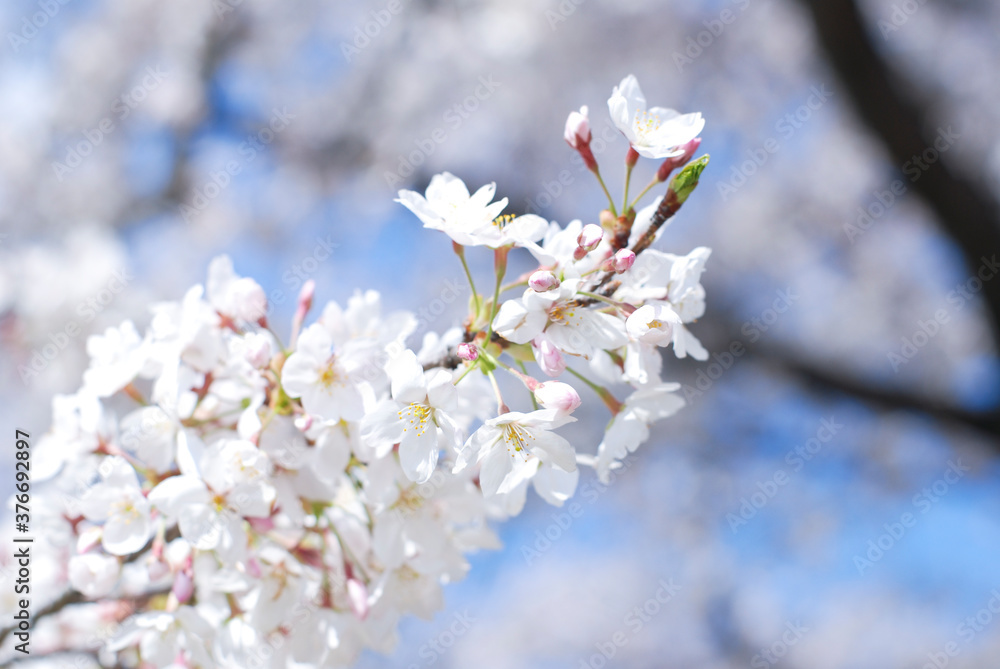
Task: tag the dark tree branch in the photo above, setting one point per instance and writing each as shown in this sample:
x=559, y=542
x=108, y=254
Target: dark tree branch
x=828, y=381
x=965, y=209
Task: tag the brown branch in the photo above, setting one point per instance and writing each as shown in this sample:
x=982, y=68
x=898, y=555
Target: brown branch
x=827, y=381
x=964, y=208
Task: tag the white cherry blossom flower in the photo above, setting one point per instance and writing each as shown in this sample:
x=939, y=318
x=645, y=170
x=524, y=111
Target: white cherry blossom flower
x=654, y=132
x=630, y=428
x=415, y=417
x=510, y=447
x=571, y=327
x=323, y=379
x=210, y=510
x=118, y=502
x=238, y=298
x=93, y=575
x=116, y=359
x=447, y=206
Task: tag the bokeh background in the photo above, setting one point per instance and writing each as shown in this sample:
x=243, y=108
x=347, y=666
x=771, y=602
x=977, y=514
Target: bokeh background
x=852, y=263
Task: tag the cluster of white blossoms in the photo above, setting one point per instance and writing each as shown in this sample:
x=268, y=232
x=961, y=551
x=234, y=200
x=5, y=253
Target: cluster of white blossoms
x=252, y=503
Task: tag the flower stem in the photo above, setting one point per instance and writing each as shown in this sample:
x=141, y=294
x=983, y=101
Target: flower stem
x=475, y=363
x=595, y=296
x=644, y=191
x=609, y=400
x=611, y=201
x=500, y=267
x=134, y=393
x=460, y=252
x=628, y=180
x=524, y=370
x=501, y=407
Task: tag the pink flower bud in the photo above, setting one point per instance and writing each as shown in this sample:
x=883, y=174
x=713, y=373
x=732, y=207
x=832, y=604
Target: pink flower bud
x=577, y=131
x=357, y=593
x=304, y=305
x=303, y=422
x=548, y=357
x=183, y=586
x=468, y=352
x=156, y=568
x=577, y=135
x=258, y=350
x=670, y=164
x=253, y=568
x=306, y=296
x=623, y=261
x=557, y=395
x=542, y=281
x=587, y=240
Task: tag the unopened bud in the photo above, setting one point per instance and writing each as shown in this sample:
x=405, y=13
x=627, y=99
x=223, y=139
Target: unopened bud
x=557, y=395
x=608, y=220
x=542, y=281
x=468, y=352
x=577, y=131
x=357, y=593
x=587, y=240
x=183, y=586
x=577, y=135
x=156, y=568
x=304, y=422
x=622, y=261
x=253, y=568
x=670, y=164
x=304, y=305
x=548, y=356
x=258, y=350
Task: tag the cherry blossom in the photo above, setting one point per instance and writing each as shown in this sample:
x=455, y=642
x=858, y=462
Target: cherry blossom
x=654, y=132
x=241, y=492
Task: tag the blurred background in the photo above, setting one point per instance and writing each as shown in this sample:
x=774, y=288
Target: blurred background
x=830, y=497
